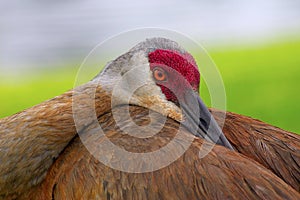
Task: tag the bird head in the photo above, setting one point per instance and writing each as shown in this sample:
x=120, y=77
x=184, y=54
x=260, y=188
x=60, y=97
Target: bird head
x=160, y=75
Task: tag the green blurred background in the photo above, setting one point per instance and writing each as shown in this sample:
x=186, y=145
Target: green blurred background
x=261, y=81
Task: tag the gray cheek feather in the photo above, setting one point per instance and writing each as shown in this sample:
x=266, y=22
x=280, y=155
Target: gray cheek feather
x=129, y=80
x=128, y=74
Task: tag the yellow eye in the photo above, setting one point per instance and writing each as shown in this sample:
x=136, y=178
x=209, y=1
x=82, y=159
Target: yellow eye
x=159, y=74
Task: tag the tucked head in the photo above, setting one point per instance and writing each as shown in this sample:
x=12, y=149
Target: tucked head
x=160, y=75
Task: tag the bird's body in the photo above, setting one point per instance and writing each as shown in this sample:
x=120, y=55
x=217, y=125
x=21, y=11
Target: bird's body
x=222, y=174
x=43, y=157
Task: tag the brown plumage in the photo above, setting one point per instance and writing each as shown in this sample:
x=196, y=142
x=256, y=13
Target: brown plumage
x=274, y=148
x=75, y=173
x=42, y=156
x=222, y=174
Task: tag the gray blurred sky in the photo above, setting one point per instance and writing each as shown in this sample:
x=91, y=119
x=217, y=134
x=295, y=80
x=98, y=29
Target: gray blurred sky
x=36, y=32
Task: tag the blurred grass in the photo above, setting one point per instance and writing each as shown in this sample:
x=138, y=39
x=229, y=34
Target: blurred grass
x=263, y=82
x=23, y=91
x=260, y=81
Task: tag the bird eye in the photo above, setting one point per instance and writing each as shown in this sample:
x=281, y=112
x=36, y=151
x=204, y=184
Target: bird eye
x=159, y=74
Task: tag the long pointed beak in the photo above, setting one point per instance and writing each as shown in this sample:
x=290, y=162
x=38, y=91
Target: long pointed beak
x=200, y=122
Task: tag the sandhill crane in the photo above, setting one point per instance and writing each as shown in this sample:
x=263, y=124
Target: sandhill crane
x=42, y=156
